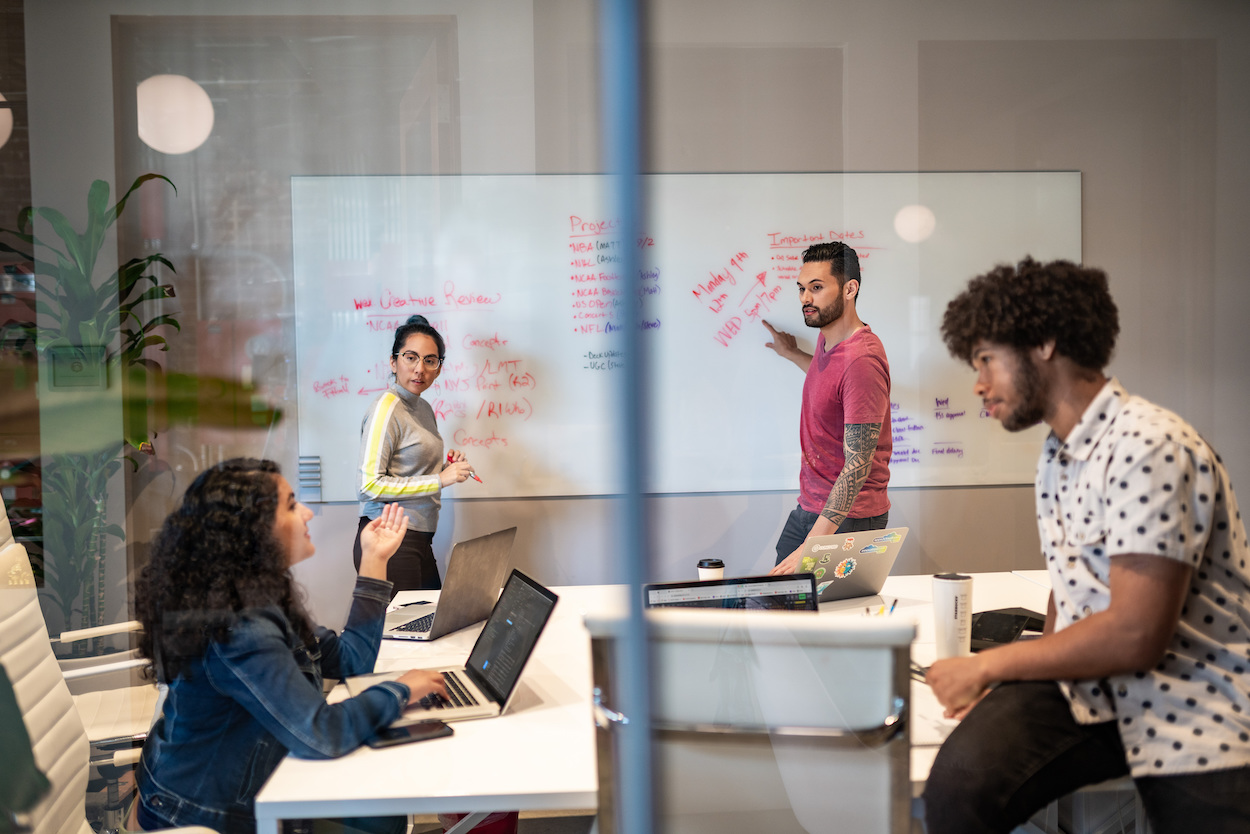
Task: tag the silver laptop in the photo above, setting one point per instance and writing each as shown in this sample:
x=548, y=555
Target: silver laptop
x=475, y=570
x=850, y=565
x=789, y=592
x=483, y=687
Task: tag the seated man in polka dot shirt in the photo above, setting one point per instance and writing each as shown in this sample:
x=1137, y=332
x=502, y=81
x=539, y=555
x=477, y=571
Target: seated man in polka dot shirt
x=1144, y=665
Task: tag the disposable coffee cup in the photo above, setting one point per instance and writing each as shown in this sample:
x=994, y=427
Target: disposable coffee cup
x=952, y=614
x=711, y=569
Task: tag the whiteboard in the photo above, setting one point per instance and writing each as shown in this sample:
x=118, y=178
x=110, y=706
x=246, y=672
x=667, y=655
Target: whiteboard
x=519, y=274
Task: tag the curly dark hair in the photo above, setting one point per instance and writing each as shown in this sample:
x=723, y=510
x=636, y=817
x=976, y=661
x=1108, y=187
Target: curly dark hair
x=843, y=261
x=215, y=556
x=1028, y=305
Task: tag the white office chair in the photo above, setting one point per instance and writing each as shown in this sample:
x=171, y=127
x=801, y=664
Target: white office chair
x=56, y=731
x=769, y=721
x=117, y=707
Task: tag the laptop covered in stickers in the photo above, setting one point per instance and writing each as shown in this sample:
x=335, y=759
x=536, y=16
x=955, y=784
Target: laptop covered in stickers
x=848, y=565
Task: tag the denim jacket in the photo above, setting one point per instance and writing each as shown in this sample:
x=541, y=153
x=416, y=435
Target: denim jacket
x=252, y=699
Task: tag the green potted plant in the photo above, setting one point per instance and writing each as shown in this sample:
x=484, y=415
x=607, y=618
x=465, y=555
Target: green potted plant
x=84, y=320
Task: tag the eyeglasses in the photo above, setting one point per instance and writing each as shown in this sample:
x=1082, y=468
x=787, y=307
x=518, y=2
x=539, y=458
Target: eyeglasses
x=411, y=358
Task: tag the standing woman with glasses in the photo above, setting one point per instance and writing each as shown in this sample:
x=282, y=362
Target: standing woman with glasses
x=402, y=459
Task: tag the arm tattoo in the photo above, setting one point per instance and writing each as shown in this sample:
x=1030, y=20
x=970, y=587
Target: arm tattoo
x=860, y=442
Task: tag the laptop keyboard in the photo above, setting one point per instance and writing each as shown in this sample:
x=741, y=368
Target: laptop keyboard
x=457, y=695
x=420, y=624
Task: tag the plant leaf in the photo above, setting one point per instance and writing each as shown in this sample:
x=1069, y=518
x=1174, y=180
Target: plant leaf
x=4, y=247
x=98, y=221
x=121, y=203
x=159, y=321
x=73, y=243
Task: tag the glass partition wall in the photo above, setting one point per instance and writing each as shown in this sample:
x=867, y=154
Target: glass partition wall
x=231, y=102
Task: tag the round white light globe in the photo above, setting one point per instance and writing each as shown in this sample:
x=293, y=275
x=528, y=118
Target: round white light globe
x=6, y=123
x=175, y=114
x=914, y=223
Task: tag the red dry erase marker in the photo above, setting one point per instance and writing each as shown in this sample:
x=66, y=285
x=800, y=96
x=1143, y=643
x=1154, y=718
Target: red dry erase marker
x=472, y=474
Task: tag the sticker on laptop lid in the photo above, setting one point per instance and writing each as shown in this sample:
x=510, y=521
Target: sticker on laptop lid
x=874, y=548
x=845, y=568
x=891, y=536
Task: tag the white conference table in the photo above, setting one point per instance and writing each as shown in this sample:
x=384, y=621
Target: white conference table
x=540, y=755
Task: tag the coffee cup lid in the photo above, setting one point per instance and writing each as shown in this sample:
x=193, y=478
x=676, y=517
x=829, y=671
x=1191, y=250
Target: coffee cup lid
x=711, y=563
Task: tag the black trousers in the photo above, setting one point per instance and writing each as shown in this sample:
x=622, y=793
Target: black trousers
x=412, y=568
x=1019, y=749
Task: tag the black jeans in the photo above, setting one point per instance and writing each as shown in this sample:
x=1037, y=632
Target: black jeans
x=800, y=523
x=412, y=568
x=1019, y=749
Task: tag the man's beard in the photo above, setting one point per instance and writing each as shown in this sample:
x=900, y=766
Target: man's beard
x=830, y=314
x=1031, y=392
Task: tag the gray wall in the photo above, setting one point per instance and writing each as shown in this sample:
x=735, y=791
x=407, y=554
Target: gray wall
x=1149, y=100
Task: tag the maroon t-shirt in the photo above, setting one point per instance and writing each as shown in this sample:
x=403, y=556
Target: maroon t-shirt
x=849, y=384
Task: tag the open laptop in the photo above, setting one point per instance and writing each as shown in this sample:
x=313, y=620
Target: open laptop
x=850, y=565
x=475, y=570
x=795, y=592
x=484, y=685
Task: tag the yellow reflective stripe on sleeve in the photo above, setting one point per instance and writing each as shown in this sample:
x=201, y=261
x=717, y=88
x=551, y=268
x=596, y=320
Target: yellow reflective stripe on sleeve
x=372, y=465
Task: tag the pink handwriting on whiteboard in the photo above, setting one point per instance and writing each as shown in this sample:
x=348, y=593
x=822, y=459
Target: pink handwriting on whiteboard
x=489, y=342
x=444, y=409
x=463, y=438
x=390, y=300
x=498, y=409
x=579, y=227
x=466, y=298
x=331, y=387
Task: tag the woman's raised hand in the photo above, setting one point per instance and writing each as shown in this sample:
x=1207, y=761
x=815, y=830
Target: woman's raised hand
x=380, y=539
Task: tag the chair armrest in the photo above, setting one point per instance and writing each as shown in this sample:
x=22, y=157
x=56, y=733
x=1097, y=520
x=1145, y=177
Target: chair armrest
x=103, y=668
x=98, y=631
x=127, y=758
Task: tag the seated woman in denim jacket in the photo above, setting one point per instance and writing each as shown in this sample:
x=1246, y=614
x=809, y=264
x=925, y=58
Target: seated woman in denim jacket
x=226, y=629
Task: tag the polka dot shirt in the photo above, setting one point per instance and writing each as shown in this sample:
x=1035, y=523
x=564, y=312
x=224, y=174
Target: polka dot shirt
x=1136, y=478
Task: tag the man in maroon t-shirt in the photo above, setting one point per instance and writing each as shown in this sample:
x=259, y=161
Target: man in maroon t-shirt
x=844, y=426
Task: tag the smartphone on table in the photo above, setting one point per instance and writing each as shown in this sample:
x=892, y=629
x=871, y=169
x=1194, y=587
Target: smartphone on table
x=390, y=736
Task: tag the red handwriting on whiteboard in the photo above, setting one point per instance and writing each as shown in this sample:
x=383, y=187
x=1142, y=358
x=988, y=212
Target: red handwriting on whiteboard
x=593, y=302
x=759, y=298
x=505, y=408
x=803, y=240
x=331, y=387
x=488, y=342
x=463, y=438
x=732, y=328
x=448, y=408
x=718, y=278
x=390, y=299
x=460, y=298
x=578, y=227
x=709, y=287
x=452, y=384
